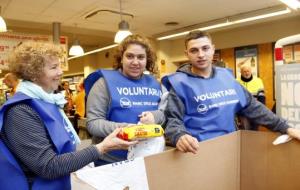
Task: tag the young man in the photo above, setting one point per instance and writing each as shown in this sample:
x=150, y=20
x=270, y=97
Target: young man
x=203, y=100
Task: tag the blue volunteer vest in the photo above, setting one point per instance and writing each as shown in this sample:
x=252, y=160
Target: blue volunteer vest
x=89, y=82
x=129, y=98
x=11, y=174
x=210, y=104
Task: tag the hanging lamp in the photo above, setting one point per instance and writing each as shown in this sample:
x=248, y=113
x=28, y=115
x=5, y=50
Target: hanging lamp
x=76, y=49
x=123, y=28
x=3, y=27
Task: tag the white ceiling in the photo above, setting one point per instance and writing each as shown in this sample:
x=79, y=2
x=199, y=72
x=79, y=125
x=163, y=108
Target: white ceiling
x=149, y=18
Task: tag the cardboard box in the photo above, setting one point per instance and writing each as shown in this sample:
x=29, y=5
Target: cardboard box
x=243, y=160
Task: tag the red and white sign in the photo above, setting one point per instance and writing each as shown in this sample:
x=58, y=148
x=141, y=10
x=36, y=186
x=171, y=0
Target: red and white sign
x=8, y=41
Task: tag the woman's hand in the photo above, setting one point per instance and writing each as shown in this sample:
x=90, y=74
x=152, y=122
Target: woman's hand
x=112, y=142
x=146, y=118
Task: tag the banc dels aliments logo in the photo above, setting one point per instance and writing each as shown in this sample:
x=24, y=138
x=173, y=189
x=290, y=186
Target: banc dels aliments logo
x=202, y=108
x=125, y=103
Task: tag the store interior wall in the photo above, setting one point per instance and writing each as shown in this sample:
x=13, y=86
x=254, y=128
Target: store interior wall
x=242, y=36
x=263, y=35
x=87, y=64
x=171, y=52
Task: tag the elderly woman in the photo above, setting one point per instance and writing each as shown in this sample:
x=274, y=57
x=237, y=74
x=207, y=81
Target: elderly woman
x=125, y=95
x=37, y=145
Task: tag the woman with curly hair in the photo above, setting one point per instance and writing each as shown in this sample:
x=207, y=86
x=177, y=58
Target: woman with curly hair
x=125, y=95
x=37, y=141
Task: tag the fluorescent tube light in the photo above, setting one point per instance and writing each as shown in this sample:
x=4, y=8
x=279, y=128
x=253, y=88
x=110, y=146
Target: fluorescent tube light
x=287, y=10
x=294, y=4
x=94, y=51
x=173, y=35
x=202, y=29
x=229, y=22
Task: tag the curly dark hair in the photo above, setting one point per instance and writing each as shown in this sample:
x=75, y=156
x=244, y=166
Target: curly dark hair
x=139, y=40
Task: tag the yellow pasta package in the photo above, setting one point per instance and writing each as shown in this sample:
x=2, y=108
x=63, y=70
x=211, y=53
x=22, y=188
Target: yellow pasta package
x=140, y=132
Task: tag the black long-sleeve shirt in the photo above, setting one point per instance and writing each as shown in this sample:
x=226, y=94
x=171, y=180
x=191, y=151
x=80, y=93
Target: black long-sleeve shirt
x=25, y=134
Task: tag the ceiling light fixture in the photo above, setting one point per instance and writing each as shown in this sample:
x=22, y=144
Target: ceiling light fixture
x=277, y=13
x=3, y=27
x=94, y=51
x=76, y=49
x=294, y=4
x=226, y=23
x=123, y=28
x=230, y=21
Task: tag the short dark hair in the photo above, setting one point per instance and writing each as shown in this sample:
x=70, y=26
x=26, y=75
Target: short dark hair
x=195, y=35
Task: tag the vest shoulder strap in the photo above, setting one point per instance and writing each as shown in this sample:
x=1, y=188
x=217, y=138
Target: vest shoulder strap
x=90, y=80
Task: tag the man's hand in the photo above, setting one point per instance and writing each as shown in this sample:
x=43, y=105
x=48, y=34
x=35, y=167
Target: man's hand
x=294, y=133
x=187, y=143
